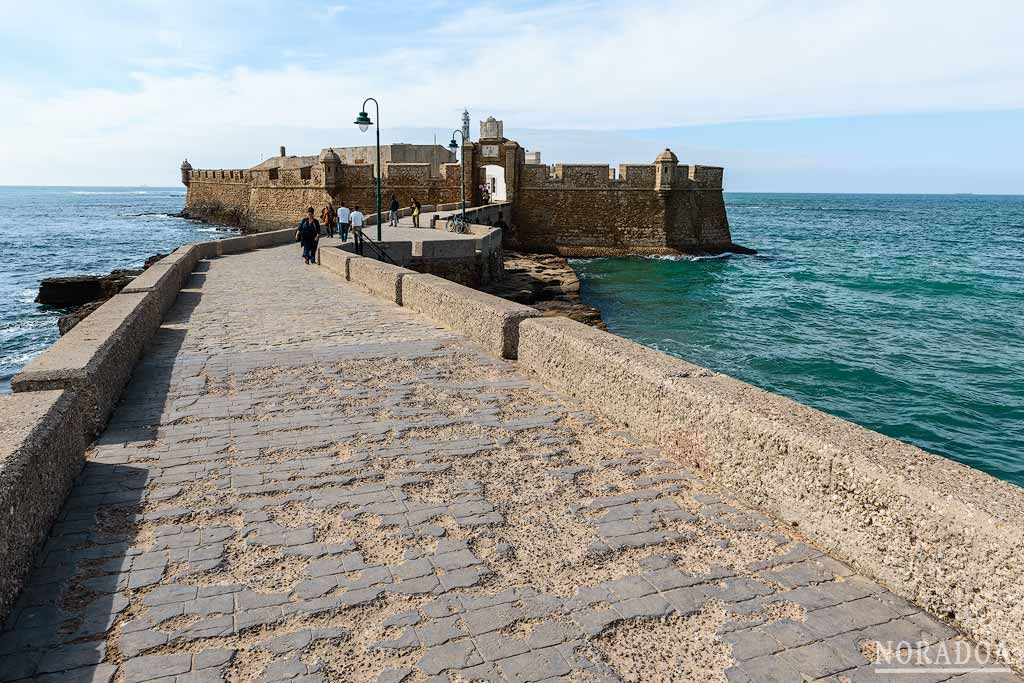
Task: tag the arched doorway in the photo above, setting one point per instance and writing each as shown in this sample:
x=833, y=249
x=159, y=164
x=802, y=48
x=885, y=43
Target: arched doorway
x=494, y=180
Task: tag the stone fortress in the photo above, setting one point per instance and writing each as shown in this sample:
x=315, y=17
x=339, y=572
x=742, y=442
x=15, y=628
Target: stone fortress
x=569, y=209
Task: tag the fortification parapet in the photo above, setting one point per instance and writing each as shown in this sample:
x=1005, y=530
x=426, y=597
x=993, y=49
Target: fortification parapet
x=707, y=176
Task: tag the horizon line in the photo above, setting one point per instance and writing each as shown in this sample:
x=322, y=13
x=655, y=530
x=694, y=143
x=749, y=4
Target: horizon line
x=726, y=191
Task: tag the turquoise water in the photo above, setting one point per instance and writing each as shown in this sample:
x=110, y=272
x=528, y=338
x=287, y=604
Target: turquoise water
x=51, y=231
x=902, y=313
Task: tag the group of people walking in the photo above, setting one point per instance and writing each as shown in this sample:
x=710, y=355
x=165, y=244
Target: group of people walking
x=340, y=221
x=393, y=208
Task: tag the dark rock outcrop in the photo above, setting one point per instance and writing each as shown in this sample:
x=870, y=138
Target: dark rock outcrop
x=81, y=289
x=546, y=282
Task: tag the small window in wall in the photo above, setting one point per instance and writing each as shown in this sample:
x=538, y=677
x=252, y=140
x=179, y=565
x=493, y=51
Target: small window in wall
x=273, y=174
x=306, y=173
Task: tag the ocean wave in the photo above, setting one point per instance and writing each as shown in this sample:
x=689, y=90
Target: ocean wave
x=680, y=257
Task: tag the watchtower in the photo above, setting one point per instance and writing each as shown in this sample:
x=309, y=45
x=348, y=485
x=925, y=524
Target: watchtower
x=186, y=173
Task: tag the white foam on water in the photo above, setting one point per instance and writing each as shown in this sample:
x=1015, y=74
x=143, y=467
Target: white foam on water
x=679, y=257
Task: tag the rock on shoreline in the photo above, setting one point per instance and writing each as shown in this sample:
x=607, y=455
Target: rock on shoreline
x=546, y=282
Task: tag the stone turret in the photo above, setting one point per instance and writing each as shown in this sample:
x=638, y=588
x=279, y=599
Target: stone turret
x=186, y=173
x=664, y=170
x=332, y=166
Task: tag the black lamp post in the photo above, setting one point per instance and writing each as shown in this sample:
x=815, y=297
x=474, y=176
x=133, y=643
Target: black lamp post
x=364, y=122
x=454, y=146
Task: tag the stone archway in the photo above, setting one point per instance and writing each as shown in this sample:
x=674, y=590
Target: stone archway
x=494, y=151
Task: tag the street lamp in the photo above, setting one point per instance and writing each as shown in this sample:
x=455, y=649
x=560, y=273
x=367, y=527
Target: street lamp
x=454, y=147
x=364, y=122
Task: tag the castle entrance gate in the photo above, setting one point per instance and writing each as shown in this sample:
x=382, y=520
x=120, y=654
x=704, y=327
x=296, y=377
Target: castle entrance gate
x=498, y=158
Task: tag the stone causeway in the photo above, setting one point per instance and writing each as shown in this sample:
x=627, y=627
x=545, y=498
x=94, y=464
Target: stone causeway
x=304, y=483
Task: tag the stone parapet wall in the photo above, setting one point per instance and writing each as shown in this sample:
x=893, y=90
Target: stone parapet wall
x=488, y=320
x=41, y=452
x=95, y=359
x=64, y=396
x=383, y=280
x=943, y=535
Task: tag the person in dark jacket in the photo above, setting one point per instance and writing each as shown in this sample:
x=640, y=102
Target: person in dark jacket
x=309, y=234
x=393, y=208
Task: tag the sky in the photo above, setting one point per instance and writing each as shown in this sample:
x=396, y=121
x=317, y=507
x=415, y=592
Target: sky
x=788, y=95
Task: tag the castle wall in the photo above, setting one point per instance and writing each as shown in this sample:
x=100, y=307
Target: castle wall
x=256, y=200
x=587, y=218
x=583, y=209
x=219, y=196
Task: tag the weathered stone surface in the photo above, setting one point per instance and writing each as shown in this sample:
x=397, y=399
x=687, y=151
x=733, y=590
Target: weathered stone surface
x=486, y=319
x=381, y=279
x=41, y=453
x=96, y=358
x=900, y=513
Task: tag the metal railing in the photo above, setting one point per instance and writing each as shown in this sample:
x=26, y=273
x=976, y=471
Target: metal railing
x=363, y=241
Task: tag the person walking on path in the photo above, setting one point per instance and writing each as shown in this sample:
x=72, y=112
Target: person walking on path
x=415, y=212
x=309, y=234
x=357, y=228
x=357, y=219
x=393, y=208
x=343, y=220
x=328, y=218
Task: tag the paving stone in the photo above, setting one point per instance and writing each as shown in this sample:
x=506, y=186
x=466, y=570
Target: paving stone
x=535, y=666
x=394, y=675
x=496, y=646
x=152, y=667
x=439, y=631
x=456, y=655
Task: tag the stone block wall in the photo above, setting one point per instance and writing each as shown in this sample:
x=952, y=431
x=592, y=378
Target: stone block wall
x=219, y=196
x=584, y=210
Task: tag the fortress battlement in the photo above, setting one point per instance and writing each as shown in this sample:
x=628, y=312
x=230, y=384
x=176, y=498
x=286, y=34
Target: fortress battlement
x=571, y=209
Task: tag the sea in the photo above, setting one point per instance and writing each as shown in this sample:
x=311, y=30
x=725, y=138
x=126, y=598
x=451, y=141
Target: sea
x=902, y=313
x=52, y=231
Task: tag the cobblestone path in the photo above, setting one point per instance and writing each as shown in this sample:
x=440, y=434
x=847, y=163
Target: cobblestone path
x=303, y=483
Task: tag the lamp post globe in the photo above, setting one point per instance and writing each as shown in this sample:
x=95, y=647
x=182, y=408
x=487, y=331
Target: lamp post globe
x=363, y=121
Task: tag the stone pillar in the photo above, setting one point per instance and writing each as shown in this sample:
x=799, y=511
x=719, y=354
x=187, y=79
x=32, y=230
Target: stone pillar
x=514, y=156
x=470, y=170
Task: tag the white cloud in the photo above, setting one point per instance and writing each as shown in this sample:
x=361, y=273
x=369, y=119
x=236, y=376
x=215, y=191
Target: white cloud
x=579, y=65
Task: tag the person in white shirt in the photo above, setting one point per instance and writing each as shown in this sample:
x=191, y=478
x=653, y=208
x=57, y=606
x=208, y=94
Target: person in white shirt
x=343, y=221
x=356, y=217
